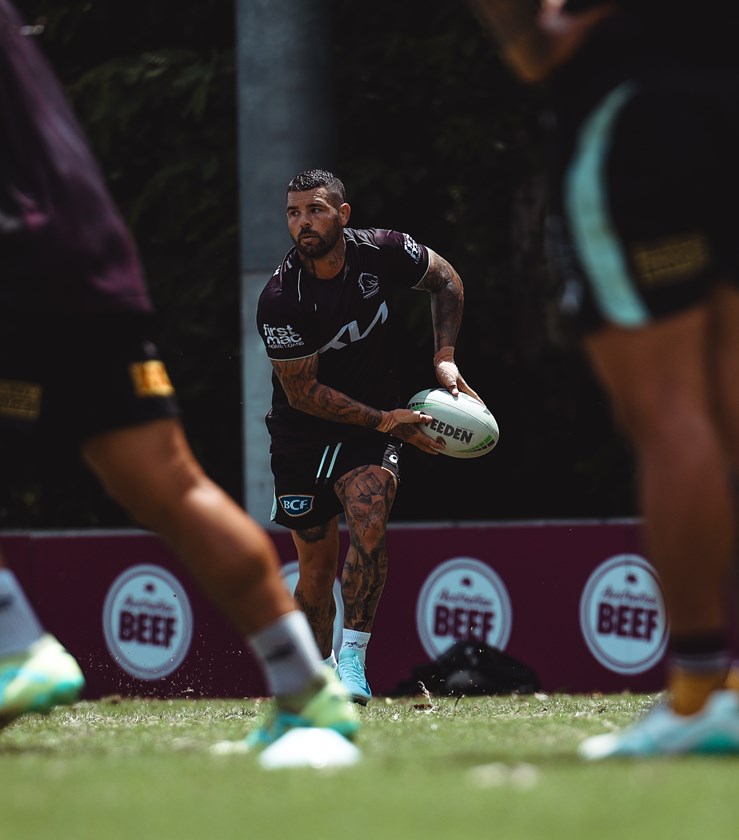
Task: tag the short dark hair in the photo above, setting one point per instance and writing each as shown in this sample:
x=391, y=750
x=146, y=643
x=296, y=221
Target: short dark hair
x=310, y=179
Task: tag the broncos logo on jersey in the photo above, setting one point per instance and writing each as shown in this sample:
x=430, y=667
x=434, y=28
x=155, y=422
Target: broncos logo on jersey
x=369, y=284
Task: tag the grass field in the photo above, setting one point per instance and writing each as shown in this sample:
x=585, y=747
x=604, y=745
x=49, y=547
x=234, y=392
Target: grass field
x=500, y=767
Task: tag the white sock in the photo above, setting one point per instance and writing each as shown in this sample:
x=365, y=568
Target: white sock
x=331, y=660
x=19, y=625
x=288, y=653
x=355, y=641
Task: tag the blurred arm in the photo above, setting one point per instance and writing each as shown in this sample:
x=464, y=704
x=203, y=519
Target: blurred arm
x=536, y=38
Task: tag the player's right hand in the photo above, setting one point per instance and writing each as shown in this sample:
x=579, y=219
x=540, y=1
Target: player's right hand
x=392, y=419
x=404, y=423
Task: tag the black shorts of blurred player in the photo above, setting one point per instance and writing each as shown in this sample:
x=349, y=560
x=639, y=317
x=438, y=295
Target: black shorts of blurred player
x=635, y=236
x=81, y=376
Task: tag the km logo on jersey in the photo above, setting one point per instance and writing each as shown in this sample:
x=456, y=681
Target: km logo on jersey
x=350, y=332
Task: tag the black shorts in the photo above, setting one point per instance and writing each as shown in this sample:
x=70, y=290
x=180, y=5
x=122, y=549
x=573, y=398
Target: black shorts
x=304, y=481
x=645, y=187
x=80, y=376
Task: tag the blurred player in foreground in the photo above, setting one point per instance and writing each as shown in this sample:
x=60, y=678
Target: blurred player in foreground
x=325, y=318
x=76, y=354
x=644, y=96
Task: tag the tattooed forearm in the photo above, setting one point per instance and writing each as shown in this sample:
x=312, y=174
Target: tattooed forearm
x=447, y=300
x=306, y=393
x=335, y=405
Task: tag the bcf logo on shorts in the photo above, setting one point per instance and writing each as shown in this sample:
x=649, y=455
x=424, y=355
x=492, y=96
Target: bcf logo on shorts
x=296, y=505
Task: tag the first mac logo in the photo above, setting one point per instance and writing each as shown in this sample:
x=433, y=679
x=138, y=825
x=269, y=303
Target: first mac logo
x=296, y=505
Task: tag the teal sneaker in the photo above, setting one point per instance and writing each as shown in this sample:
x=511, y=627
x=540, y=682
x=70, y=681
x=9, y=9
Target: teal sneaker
x=351, y=673
x=38, y=679
x=329, y=708
x=715, y=729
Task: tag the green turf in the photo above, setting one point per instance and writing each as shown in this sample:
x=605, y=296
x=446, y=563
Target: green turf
x=494, y=768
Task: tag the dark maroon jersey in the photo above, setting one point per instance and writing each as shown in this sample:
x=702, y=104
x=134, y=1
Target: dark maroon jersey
x=346, y=320
x=63, y=244
x=46, y=271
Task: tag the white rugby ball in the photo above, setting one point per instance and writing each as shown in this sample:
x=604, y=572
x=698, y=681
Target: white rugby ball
x=467, y=426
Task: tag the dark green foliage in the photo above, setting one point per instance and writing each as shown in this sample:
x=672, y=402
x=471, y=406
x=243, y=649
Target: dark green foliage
x=155, y=93
x=435, y=139
x=439, y=141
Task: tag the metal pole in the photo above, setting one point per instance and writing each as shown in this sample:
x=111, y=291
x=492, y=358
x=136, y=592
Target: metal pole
x=284, y=125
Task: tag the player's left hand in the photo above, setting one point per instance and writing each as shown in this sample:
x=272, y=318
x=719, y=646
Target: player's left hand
x=449, y=376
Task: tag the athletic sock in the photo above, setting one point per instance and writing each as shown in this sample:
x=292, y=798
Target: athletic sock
x=698, y=666
x=331, y=660
x=19, y=625
x=355, y=641
x=290, y=659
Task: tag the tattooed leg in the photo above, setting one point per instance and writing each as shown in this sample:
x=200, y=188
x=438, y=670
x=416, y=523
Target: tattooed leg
x=367, y=494
x=318, y=559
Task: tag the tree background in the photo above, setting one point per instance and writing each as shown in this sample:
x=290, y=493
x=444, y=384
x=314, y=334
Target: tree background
x=435, y=139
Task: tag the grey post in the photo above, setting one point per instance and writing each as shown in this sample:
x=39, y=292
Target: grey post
x=285, y=125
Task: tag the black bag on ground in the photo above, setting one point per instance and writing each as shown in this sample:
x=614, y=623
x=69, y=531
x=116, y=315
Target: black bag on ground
x=471, y=668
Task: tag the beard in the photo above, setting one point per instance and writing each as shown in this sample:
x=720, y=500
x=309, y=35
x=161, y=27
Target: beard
x=319, y=246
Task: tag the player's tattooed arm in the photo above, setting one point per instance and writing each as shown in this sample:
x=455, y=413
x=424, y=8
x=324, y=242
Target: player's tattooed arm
x=299, y=379
x=447, y=300
x=447, y=306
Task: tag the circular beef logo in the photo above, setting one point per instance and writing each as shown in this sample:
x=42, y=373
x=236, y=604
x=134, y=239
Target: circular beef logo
x=463, y=599
x=623, y=616
x=147, y=622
